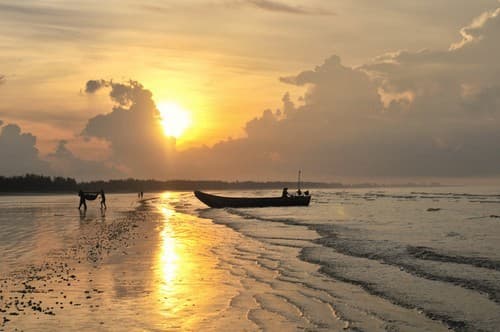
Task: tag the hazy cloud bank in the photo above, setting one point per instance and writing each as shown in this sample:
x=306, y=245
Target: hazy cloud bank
x=64, y=163
x=19, y=155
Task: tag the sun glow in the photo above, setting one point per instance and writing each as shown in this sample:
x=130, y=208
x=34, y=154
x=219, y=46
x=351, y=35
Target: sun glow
x=174, y=119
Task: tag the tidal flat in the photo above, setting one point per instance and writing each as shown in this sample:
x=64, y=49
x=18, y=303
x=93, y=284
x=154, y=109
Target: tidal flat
x=360, y=260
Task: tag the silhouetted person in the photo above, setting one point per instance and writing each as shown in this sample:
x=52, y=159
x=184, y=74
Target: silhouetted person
x=103, y=200
x=82, y=200
x=306, y=192
x=299, y=192
x=142, y=194
x=285, y=193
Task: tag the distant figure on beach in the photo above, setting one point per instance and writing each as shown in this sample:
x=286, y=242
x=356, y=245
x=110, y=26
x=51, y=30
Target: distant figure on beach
x=142, y=194
x=103, y=200
x=285, y=193
x=82, y=200
x=139, y=195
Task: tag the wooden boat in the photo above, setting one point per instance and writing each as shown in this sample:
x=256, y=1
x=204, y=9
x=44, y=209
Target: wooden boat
x=249, y=202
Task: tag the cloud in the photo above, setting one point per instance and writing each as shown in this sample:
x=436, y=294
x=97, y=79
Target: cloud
x=35, y=11
x=65, y=163
x=320, y=136
x=55, y=21
x=19, y=155
x=18, y=152
x=405, y=114
x=473, y=32
x=275, y=6
x=133, y=130
x=425, y=114
x=334, y=85
x=93, y=85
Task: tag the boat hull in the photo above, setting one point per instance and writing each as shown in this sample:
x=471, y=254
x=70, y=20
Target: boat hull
x=250, y=202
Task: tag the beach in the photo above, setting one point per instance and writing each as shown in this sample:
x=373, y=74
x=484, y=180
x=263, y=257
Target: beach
x=149, y=269
x=355, y=260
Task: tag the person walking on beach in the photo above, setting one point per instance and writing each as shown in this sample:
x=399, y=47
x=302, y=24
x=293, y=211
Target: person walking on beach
x=103, y=200
x=82, y=200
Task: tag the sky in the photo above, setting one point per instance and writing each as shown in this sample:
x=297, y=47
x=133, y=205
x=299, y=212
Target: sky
x=351, y=91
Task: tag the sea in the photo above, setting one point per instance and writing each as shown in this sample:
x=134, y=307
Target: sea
x=399, y=259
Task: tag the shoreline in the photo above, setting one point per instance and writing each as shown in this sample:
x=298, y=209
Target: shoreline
x=277, y=189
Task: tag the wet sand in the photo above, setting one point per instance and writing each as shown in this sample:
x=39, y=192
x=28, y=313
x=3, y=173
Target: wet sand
x=156, y=269
x=150, y=270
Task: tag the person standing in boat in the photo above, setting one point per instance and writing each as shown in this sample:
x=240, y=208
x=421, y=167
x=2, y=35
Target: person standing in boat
x=285, y=193
x=103, y=200
x=82, y=200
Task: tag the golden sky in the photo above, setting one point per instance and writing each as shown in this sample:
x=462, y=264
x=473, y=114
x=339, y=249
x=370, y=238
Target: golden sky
x=220, y=60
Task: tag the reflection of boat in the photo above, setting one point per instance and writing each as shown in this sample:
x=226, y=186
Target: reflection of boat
x=242, y=202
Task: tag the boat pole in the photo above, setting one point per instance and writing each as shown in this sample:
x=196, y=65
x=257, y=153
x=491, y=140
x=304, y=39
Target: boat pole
x=298, y=181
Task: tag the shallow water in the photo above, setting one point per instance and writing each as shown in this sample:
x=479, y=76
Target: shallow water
x=433, y=251
x=386, y=259
x=33, y=225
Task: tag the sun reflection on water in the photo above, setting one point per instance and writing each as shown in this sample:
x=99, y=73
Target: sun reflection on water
x=168, y=257
x=189, y=287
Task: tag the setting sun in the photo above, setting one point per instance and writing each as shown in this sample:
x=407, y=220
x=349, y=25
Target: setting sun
x=174, y=119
